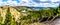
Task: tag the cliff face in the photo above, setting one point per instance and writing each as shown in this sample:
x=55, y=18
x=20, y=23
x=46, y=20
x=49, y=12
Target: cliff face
x=13, y=13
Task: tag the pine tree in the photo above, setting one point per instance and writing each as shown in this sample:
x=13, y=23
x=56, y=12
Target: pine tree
x=58, y=10
x=9, y=19
x=1, y=19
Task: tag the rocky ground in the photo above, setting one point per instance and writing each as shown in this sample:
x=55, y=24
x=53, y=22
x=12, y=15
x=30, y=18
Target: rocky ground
x=55, y=22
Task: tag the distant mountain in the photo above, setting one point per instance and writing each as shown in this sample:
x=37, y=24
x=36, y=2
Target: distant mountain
x=36, y=7
x=33, y=8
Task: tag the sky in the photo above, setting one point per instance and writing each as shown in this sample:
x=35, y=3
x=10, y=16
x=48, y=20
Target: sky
x=31, y=3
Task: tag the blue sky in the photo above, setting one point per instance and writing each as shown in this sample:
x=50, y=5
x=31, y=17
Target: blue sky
x=34, y=3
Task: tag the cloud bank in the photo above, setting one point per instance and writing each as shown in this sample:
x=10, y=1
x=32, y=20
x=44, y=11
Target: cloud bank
x=34, y=3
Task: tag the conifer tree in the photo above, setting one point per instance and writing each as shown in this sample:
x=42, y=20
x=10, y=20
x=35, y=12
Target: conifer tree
x=9, y=19
x=1, y=19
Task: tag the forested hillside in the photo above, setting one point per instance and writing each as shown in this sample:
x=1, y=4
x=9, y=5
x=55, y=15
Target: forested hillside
x=22, y=15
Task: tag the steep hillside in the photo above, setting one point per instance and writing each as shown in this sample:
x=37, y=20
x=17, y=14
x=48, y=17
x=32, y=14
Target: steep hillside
x=22, y=15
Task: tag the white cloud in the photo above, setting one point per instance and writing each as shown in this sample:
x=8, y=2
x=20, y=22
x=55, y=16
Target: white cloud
x=43, y=4
x=0, y=0
x=1, y=3
x=24, y=3
x=43, y=0
x=11, y=3
x=48, y=5
x=54, y=0
x=50, y=0
x=7, y=3
x=27, y=3
x=14, y=2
